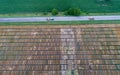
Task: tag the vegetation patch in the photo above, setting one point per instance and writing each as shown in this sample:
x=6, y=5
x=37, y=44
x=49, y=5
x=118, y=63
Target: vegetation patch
x=36, y=6
x=60, y=23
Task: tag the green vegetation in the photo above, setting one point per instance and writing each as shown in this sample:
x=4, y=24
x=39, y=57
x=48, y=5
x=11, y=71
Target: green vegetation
x=49, y=14
x=45, y=13
x=107, y=0
x=73, y=12
x=36, y=6
x=29, y=14
x=54, y=12
x=59, y=23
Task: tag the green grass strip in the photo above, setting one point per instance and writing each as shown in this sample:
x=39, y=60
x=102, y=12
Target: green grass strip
x=59, y=23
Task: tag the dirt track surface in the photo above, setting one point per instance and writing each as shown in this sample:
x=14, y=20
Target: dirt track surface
x=60, y=50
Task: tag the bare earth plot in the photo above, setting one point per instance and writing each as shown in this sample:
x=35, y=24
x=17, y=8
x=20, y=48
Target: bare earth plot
x=60, y=50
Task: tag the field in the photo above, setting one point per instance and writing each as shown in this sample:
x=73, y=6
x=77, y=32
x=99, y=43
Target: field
x=60, y=50
x=36, y=6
